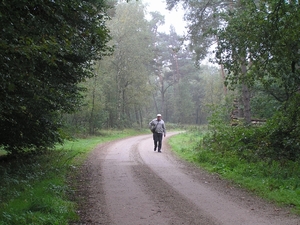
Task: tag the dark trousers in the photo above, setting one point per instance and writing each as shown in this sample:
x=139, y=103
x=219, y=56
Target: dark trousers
x=157, y=138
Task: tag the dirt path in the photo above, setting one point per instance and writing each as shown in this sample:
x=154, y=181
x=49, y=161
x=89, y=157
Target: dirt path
x=127, y=183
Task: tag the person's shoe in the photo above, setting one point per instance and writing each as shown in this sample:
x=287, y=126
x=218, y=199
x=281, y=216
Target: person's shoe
x=159, y=151
x=155, y=149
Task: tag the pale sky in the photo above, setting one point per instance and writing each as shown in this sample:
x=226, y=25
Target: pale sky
x=174, y=17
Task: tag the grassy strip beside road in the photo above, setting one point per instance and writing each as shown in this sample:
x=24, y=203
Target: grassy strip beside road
x=34, y=188
x=272, y=181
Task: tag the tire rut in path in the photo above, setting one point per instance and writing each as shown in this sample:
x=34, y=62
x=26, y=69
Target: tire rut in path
x=135, y=195
x=127, y=183
x=166, y=198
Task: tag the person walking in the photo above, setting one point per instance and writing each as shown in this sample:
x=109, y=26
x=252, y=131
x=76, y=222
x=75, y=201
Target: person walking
x=158, y=128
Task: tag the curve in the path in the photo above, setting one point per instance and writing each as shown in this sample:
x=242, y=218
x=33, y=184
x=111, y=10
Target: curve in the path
x=145, y=187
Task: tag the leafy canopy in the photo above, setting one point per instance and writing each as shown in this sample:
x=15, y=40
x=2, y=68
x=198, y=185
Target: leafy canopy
x=266, y=34
x=46, y=49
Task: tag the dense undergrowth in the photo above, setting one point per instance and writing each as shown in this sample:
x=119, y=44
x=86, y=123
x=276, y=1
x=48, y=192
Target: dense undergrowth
x=241, y=154
x=34, y=187
x=277, y=140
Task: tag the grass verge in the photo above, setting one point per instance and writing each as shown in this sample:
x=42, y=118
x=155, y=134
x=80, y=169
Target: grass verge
x=274, y=181
x=34, y=188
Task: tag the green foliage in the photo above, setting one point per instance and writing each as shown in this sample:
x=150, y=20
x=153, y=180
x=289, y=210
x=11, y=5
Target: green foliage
x=273, y=180
x=282, y=132
x=263, y=105
x=148, y=73
x=277, y=140
x=128, y=66
x=203, y=19
x=266, y=36
x=116, y=97
x=263, y=158
x=46, y=49
x=37, y=188
x=185, y=144
x=258, y=45
x=34, y=190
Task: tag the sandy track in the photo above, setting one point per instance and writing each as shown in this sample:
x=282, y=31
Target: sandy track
x=126, y=182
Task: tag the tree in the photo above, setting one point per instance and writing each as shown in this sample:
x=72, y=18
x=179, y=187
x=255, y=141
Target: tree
x=203, y=19
x=266, y=34
x=125, y=85
x=251, y=34
x=94, y=111
x=46, y=50
x=164, y=76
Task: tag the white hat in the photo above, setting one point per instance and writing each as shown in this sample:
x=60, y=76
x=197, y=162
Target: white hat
x=158, y=115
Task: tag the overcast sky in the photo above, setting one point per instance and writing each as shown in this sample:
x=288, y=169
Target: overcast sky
x=174, y=17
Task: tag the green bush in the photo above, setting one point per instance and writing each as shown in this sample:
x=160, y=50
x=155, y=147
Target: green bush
x=278, y=139
x=275, y=180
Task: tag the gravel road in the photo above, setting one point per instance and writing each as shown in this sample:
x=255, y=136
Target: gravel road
x=126, y=183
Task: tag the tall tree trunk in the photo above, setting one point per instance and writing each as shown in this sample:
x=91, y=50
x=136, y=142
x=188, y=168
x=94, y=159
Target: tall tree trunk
x=91, y=120
x=154, y=99
x=123, y=102
x=136, y=112
x=240, y=106
x=141, y=118
x=156, y=107
x=119, y=96
x=246, y=97
x=162, y=99
x=224, y=78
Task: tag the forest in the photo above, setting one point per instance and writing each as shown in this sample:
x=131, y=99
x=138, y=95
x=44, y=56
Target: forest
x=76, y=68
x=65, y=75
x=97, y=70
